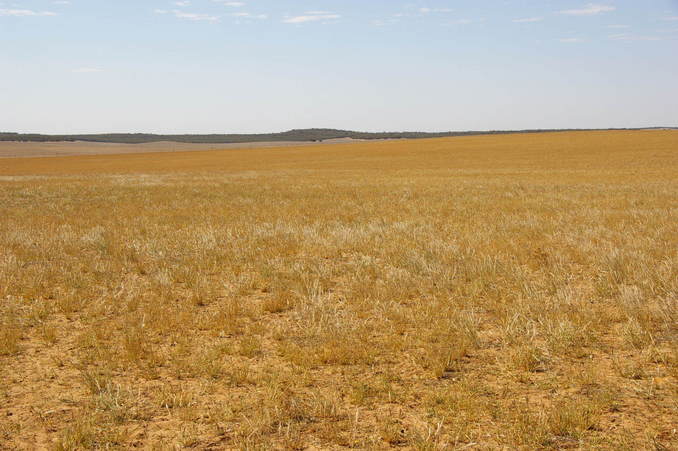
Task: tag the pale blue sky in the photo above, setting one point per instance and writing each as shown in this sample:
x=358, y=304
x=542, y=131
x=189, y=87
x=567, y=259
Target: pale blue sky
x=218, y=66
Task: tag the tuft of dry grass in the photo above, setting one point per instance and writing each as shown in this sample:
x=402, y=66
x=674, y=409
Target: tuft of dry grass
x=494, y=292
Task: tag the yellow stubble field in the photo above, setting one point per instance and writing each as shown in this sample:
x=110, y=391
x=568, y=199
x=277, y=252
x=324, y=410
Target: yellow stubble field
x=488, y=292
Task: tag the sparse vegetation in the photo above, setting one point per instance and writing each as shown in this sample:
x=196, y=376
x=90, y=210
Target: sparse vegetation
x=496, y=292
x=309, y=134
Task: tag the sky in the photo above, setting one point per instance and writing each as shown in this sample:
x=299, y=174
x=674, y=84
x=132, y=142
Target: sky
x=218, y=66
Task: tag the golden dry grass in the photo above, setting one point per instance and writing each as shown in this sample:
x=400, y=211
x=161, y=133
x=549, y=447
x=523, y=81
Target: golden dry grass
x=13, y=149
x=497, y=292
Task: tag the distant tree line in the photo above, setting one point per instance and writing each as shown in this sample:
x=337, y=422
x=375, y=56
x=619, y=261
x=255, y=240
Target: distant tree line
x=311, y=134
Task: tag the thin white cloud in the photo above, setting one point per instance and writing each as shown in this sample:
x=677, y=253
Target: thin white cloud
x=630, y=37
x=385, y=22
x=87, y=70
x=62, y=2
x=589, y=10
x=435, y=10
x=528, y=20
x=618, y=27
x=670, y=18
x=182, y=3
x=312, y=16
x=197, y=17
x=246, y=15
x=25, y=13
x=571, y=40
x=231, y=4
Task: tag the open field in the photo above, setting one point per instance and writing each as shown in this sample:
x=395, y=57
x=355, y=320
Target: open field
x=488, y=292
x=12, y=149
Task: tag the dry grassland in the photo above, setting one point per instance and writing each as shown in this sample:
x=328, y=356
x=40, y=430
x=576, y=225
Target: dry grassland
x=495, y=292
x=13, y=149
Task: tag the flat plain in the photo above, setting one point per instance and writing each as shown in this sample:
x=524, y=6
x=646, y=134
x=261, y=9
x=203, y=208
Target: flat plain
x=488, y=292
x=28, y=149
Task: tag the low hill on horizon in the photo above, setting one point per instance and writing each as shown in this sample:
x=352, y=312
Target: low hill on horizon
x=311, y=134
